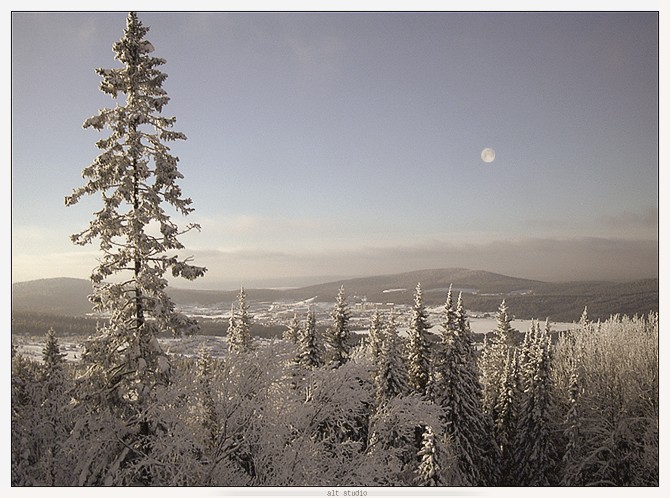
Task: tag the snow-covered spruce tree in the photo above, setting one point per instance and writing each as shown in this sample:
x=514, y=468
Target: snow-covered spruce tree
x=447, y=333
x=390, y=374
x=507, y=413
x=52, y=359
x=136, y=176
x=458, y=391
x=338, y=333
x=375, y=335
x=418, y=352
x=25, y=401
x=231, y=324
x=497, y=345
x=430, y=471
x=239, y=331
x=46, y=420
x=572, y=459
x=41, y=417
x=309, y=354
x=292, y=331
x=534, y=444
x=54, y=411
x=584, y=322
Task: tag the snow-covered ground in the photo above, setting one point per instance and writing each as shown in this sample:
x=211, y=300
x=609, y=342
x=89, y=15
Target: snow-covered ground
x=31, y=347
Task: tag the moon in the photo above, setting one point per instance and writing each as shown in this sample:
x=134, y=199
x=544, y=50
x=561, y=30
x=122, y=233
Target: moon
x=488, y=155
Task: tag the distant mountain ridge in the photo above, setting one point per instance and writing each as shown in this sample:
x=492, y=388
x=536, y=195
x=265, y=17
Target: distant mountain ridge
x=61, y=296
x=483, y=291
x=441, y=279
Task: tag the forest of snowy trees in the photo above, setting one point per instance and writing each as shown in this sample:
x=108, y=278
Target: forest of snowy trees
x=316, y=408
x=421, y=409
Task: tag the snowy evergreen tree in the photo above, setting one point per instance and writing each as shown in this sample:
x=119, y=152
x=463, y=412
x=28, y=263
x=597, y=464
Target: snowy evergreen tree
x=292, y=332
x=375, y=335
x=442, y=352
x=239, y=330
x=396, y=430
x=54, y=411
x=338, y=333
x=418, y=352
x=572, y=457
x=584, y=322
x=458, y=391
x=504, y=330
x=390, y=374
x=534, y=449
x=52, y=359
x=230, y=332
x=309, y=354
x=41, y=417
x=430, y=471
x=507, y=414
x=496, y=350
x=135, y=176
x=25, y=401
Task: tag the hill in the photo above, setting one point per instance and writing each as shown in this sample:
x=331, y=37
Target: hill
x=399, y=287
x=60, y=296
x=482, y=291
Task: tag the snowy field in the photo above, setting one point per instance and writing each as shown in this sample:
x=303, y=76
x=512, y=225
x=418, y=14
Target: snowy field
x=484, y=325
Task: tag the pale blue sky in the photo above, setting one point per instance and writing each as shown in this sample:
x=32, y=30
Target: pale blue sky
x=346, y=144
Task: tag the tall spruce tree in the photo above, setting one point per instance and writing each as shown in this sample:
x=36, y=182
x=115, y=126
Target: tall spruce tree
x=54, y=414
x=507, y=414
x=292, y=332
x=375, y=335
x=458, y=391
x=230, y=332
x=239, y=331
x=497, y=345
x=339, y=333
x=309, y=354
x=26, y=420
x=418, y=352
x=533, y=446
x=572, y=457
x=52, y=359
x=390, y=377
x=136, y=177
x=584, y=321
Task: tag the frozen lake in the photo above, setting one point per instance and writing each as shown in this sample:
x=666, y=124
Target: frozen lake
x=484, y=325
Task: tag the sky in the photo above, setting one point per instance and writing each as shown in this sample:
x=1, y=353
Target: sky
x=327, y=145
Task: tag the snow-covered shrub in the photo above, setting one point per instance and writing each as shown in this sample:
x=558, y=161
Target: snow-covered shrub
x=606, y=378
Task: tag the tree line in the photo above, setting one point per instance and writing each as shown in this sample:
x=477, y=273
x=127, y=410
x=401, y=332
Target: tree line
x=421, y=409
